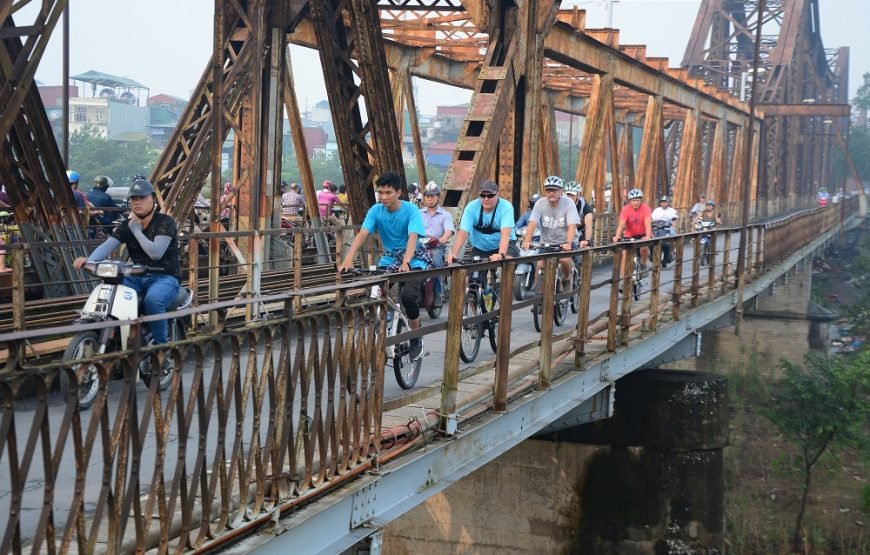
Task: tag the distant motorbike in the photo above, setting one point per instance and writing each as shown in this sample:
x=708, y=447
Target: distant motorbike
x=524, y=272
x=663, y=228
x=705, y=225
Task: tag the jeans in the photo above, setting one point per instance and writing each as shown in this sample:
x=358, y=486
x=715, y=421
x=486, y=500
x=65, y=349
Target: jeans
x=437, y=254
x=156, y=293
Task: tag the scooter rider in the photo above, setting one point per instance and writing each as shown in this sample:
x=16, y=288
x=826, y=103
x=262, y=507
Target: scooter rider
x=524, y=217
x=438, y=224
x=101, y=199
x=665, y=212
x=151, y=238
x=487, y=223
x=559, y=218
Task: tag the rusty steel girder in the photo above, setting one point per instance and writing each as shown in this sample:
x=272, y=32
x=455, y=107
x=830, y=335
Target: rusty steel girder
x=31, y=166
x=365, y=150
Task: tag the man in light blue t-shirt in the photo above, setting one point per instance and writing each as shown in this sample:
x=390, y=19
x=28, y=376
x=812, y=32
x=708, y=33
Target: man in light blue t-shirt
x=487, y=224
x=398, y=223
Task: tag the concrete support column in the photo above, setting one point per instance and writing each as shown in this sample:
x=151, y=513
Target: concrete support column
x=659, y=488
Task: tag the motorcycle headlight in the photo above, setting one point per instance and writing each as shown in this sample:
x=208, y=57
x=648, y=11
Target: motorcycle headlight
x=106, y=271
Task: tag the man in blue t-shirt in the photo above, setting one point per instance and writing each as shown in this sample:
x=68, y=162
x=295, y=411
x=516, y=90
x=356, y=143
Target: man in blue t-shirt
x=398, y=223
x=487, y=224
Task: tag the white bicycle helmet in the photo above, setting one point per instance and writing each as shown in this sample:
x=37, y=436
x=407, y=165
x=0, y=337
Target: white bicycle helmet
x=573, y=188
x=635, y=193
x=554, y=181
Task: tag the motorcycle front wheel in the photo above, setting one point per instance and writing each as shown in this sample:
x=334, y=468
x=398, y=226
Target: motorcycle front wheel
x=82, y=345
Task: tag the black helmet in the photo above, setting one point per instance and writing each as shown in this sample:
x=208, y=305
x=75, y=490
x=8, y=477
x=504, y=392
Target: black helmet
x=534, y=198
x=140, y=188
x=103, y=182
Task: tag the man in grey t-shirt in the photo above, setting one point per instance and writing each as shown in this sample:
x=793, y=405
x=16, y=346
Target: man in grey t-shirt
x=558, y=218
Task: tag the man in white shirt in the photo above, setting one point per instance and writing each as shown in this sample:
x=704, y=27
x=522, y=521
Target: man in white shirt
x=665, y=213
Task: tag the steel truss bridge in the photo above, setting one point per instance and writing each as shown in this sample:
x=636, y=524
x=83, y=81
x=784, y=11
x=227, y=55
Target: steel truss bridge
x=302, y=436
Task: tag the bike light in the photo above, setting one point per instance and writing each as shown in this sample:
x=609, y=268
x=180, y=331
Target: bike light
x=106, y=271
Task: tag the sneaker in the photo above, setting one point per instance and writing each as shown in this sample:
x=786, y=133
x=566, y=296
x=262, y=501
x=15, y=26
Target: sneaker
x=416, y=350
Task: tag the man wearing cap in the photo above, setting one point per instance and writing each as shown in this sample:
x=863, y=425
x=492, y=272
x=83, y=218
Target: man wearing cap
x=438, y=224
x=558, y=219
x=151, y=238
x=487, y=224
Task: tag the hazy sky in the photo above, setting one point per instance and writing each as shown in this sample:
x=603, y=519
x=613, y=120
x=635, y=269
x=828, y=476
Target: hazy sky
x=165, y=44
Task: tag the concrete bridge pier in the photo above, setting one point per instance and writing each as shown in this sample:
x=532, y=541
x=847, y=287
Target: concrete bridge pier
x=782, y=324
x=648, y=480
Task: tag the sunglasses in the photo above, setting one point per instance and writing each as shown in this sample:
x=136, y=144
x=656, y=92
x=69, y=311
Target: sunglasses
x=487, y=195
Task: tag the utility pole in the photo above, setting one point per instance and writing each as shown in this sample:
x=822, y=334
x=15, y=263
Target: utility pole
x=610, y=12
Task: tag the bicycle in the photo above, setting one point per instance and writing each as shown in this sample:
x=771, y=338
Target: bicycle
x=480, y=298
x=407, y=371
x=560, y=308
x=638, y=273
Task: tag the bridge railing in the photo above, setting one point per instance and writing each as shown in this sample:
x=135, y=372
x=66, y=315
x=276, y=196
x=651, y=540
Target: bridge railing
x=264, y=416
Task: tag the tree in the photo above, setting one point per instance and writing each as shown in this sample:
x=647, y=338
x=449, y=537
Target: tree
x=821, y=408
x=862, y=96
x=90, y=154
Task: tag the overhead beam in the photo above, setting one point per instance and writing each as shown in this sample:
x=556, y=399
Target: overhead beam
x=806, y=109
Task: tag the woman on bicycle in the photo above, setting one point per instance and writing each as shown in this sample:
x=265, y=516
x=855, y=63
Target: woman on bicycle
x=398, y=223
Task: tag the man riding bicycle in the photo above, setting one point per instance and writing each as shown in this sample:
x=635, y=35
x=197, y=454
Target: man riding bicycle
x=559, y=218
x=635, y=222
x=487, y=224
x=438, y=224
x=151, y=238
x=399, y=224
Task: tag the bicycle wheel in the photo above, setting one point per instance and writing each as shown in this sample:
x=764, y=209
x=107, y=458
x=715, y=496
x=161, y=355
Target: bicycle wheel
x=575, y=286
x=536, y=308
x=637, y=280
x=406, y=370
x=493, y=329
x=560, y=308
x=469, y=344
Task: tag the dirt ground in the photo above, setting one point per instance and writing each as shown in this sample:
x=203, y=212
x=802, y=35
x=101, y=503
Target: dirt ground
x=763, y=495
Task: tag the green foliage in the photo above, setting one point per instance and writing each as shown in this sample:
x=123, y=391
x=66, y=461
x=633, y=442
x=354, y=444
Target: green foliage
x=862, y=97
x=821, y=407
x=92, y=155
x=865, y=500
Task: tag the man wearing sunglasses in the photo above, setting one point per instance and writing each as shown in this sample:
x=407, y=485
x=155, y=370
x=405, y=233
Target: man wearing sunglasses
x=487, y=224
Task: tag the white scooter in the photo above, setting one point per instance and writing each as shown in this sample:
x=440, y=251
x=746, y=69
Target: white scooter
x=524, y=272
x=113, y=301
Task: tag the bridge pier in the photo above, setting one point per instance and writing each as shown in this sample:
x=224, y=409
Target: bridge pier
x=648, y=480
x=783, y=324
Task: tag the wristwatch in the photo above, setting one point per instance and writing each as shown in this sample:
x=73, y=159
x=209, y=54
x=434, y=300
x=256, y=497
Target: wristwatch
x=502, y=255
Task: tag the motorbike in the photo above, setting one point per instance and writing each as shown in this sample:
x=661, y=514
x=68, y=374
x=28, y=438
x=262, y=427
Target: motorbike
x=663, y=228
x=109, y=301
x=432, y=302
x=705, y=225
x=524, y=273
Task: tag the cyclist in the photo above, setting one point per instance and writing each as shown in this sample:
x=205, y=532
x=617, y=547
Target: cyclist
x=487, y=224
x=438, y=224
x=151, y=238
x=524, y=217
x=559, y=219
x=574, y=192
x=635, y=222
x=398, y=223
x=666, y=213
